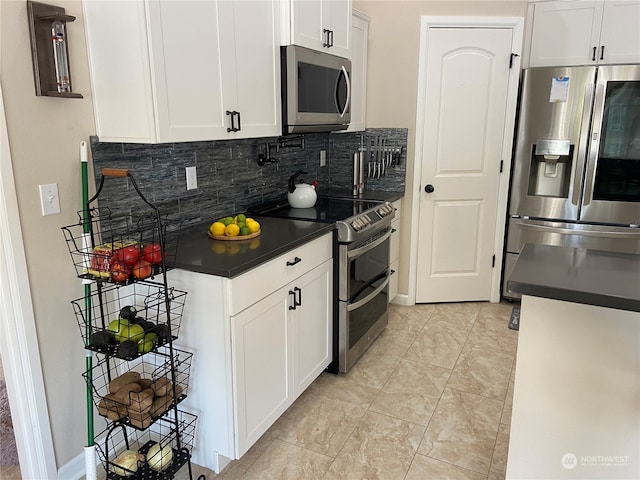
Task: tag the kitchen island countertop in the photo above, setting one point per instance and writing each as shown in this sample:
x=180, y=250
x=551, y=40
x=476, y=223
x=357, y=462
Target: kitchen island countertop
x=199, y=253
x=579, y=275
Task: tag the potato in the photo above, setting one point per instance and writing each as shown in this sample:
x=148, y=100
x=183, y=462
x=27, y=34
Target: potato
x=141, y=402
x=123, y=395
x=162, y=387
x=119, y=382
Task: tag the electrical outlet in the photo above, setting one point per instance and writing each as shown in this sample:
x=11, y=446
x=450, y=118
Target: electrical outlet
x=192, y=178
x=323, y=158
x=49, y=201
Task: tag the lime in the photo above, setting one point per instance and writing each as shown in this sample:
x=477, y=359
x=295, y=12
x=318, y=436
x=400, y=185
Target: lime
x=245, y=230
x=241, y=217
x=241, y=224
x=227, y=220
x=232, y=230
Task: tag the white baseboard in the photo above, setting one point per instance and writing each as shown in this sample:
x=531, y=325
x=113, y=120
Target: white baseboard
x=402, y=299
x=75, y=469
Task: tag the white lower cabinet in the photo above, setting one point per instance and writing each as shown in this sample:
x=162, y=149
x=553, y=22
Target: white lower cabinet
x=262, y=338
x=280, y=344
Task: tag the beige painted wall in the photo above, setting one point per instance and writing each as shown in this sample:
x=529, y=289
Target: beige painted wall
x=44, y=135
x=392, y=74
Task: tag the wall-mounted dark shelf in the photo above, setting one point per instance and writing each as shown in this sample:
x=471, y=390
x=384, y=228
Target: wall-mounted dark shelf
x=51, y=69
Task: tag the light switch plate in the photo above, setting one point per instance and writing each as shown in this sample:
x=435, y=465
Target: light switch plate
x=192, y=178
x=49, y=201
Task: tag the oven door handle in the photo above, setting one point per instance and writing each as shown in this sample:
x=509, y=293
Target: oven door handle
x=353, y=306
x=369, y=246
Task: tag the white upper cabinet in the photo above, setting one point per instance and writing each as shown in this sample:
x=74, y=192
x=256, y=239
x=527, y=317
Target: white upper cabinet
x=359, y=41
x=578, y=32
x=174, y=71
x=323, y=25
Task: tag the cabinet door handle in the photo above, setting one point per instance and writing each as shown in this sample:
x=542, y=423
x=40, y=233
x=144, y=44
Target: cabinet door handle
x=295, y=260
x=593, y=57
x=293, y=307
x=239, y=127
x=232, y=115
x=325, y=33
x=330, y=38
x=299, y=302
x=602, y=52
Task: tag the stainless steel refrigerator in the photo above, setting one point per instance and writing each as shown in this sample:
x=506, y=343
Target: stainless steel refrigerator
x=576, y=170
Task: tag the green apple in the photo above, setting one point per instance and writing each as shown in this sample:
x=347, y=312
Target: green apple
x=119, y=328
x=135, y=332
x=147, y=343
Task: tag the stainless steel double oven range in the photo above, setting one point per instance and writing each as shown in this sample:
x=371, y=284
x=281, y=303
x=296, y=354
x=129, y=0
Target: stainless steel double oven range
x=361, y=269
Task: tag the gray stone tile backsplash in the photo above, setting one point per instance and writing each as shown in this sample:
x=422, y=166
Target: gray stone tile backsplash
x=229, y=177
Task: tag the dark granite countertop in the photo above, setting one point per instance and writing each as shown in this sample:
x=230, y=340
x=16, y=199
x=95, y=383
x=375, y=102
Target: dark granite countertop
x=199, y=253
x=579, y=275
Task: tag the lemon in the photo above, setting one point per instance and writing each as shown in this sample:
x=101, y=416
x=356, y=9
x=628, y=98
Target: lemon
x=247, y=220
x=227, y=220
x=232, y=230
x=245, y=230
x=217, y=228
x=253, y=226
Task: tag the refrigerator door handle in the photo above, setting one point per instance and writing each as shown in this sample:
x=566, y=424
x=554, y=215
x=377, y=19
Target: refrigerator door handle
x=629, y=233
x=594, y=144
x=583, y=145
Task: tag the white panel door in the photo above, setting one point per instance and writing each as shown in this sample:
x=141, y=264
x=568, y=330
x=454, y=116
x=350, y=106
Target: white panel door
x=263, y=379
x=312, y=325
x=620, y=35
x=188, y=68
x=467, y=82
x=255, y=41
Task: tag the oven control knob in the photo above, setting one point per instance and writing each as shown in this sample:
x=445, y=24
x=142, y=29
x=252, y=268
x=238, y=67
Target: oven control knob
x=356, y=225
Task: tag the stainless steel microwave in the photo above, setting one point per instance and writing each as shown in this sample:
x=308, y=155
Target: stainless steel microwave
x=316, y=91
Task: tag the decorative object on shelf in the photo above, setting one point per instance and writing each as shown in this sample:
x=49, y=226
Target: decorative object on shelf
x=50, y=50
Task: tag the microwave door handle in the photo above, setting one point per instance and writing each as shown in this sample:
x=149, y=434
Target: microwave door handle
x=348, y=100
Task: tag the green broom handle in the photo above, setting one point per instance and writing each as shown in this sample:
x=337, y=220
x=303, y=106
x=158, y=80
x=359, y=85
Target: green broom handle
x=87, y=294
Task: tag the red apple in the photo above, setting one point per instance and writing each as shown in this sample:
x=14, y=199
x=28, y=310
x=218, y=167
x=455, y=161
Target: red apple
x=152, y=253
x=119, y=271
x=142, y=269
x=130, y=254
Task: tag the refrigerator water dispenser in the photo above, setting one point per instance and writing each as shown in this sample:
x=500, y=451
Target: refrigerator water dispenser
x=551, y=162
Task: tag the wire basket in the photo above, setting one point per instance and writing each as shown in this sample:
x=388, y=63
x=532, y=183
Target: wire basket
x=137, y=393
x=107, y=249
x=127, y=321
x=174, y=435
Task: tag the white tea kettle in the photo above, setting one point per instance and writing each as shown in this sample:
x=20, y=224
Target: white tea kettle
x=301, y=195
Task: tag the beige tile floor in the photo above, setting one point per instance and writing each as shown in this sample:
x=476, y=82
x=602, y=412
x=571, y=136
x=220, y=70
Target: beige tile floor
x=431, y=399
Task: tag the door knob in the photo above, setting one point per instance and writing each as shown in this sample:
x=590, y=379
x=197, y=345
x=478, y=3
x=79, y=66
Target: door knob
x=429, y=188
